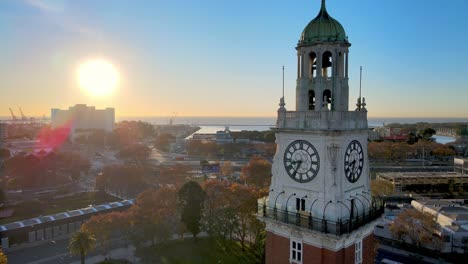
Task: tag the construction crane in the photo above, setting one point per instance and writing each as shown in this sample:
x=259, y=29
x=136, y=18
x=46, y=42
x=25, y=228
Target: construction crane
x=13, y=115
x=23, y=117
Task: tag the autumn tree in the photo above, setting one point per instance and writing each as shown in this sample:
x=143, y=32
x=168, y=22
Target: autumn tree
x=218, y=215
x=154, y=215
x=417, y=228
x=226, y=168
x=443, y=151
x=3, y=258
x=137, y=153
x=257, y=172
x=100, y=226
x=230, y=212
x=163, y=141
x=190, y=200
x=125, y=180
x=174, y=175
x=243, y=200
x=381, y=188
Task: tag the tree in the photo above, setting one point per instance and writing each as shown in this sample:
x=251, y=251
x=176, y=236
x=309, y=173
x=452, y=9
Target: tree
x=416, y=228
x=154, y=215
x=163, y=141
x=257, y=172
x=81, y=242
x=3, y=258
x=100, y=226
x=136, y=153
x=427, y=134
x=269, y=137
x=230, y=212
x=381, y=188
x=226, y=169
x=190, y=199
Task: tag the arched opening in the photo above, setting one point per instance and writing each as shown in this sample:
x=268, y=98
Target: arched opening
x=327, y=63
x=313, y=64
x=327, y=99
x=311, y=100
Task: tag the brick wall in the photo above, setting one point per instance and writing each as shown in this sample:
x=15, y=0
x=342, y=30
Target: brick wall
x=277, y=252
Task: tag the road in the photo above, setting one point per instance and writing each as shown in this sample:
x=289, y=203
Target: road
x=51, y=252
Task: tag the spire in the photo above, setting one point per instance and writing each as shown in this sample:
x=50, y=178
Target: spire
x=323, y=11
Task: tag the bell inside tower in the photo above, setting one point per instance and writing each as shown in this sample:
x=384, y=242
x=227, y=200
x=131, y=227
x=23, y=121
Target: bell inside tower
x=327, y=99
x=313, y=63
x=327, y=63
x=311, y=100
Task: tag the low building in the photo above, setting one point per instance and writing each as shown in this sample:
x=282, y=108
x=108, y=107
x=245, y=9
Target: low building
x=460, y=165
x=82, y=119
x=452, y=216
x=224, y=136
x=50, y=227
x=425, y=181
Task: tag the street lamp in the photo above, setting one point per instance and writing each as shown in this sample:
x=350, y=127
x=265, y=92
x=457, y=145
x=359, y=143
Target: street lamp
x=349, y=211
x=323, y=216
x=363, y=206
x=274, y=209
x=287, y=201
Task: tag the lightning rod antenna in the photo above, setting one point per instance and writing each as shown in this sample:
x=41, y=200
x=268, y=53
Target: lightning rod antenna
x=360, y=85
x=283, y=81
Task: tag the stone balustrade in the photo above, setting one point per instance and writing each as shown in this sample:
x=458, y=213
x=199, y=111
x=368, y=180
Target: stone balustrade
x=322, y=120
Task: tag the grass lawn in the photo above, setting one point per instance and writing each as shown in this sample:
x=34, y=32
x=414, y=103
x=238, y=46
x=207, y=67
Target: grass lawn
x=199, y=251
x=52, y=206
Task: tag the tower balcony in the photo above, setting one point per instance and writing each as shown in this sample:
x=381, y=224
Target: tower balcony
x=322, y=120
x=309, y=221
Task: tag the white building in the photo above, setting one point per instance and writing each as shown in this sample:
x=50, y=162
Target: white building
x=452, y=216
x=83, y=118
x=461, y=165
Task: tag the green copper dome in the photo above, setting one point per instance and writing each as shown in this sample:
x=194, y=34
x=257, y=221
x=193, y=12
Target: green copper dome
x=323, y=28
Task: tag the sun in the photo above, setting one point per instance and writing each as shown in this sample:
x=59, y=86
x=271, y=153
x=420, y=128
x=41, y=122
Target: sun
x=98, y=77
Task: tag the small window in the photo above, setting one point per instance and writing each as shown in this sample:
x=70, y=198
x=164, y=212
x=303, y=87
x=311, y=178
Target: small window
x=358, y=252
x=300, y=204
x=296, y=251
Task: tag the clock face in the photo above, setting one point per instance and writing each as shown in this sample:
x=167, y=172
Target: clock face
x=353, y=161
x=301, y=161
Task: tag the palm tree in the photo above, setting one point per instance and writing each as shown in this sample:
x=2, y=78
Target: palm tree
x=81, y=242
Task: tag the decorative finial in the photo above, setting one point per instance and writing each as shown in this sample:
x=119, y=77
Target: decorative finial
x=358, y=105
x=323, y=5
x=364, y=104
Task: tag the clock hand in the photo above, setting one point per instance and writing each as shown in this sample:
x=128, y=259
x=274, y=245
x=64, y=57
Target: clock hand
x=299, y=162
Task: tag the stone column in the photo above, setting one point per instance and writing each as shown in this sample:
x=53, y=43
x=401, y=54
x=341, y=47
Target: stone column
x=306, y=64
x=298, y=66
x=319, y=64
x=347, y=64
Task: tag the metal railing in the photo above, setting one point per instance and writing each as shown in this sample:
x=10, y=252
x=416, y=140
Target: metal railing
x=309, y=221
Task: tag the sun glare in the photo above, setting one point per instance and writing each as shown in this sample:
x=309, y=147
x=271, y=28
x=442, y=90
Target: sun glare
x=98, y=77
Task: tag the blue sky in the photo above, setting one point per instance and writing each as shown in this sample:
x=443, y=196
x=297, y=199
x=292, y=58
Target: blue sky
x=224, y=58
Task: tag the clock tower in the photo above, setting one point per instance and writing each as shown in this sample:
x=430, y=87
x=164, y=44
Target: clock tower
x=320, y=209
